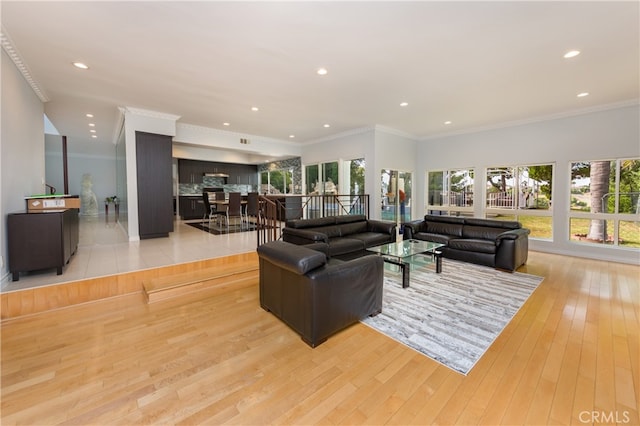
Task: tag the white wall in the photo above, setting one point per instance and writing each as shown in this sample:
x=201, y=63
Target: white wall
x=606, y=134
x=257, y=147
x=22, y=151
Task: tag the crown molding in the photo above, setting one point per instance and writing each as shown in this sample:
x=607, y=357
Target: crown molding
x=346, y=133
x=515, y=123
x=9, y=47
x=213, y=131
x=395, y=132
x=149, y=113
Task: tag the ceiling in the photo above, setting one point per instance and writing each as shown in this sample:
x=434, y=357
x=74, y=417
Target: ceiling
x=475, y=64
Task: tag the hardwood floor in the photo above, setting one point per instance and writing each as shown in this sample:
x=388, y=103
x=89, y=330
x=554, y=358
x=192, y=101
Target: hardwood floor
x=570, y=356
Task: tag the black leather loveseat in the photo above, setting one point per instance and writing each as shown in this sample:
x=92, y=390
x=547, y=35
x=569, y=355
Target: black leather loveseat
x=346, y=236
x=315, y=296
x=497, y=243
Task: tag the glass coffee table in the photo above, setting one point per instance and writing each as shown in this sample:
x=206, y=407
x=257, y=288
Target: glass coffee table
x=401, y=253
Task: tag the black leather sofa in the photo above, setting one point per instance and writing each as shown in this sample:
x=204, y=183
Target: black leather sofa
x=347, y=237
x=497, y=243
x=314, y=296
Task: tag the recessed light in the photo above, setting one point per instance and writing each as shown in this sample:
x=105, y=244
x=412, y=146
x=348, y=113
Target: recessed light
x=92, y=125
x=226, y=124
x=292, y=136
x=583, y=94
x=327, y=125
x=92, y=131
x=90, y=115
x=404, y=104
x=94, y=136
x=254, y=109
x=81, y=65
x=322, y=71
x=447, y=122
x=571, y=54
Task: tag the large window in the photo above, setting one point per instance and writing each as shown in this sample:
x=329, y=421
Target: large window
x=356, y=176
x=450, y=191
x=605, y=202
x=323, y=178
x=396, y=195
x=277, y=181
x=522, y=193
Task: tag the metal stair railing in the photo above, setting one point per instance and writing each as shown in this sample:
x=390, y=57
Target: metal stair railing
x=273, y=212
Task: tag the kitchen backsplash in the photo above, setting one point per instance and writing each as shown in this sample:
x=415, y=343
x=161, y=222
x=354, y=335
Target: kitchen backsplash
x=196, y=188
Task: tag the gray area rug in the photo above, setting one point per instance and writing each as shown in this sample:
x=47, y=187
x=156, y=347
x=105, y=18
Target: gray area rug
x=452, y=317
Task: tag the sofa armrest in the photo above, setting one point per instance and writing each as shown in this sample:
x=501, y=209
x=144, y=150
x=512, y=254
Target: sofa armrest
x=381, y=226
x=303, y=236
x=512, y=249
x=297, y=259
x=512, y=234
x=413, y=227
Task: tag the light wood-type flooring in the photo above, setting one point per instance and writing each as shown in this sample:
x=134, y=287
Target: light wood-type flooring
x=570, y=356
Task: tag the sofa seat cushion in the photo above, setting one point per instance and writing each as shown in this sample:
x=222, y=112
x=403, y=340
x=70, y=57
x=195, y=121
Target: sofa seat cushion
x=371, y=239
x=474, y=245
x=342, y=245
x=436, y=238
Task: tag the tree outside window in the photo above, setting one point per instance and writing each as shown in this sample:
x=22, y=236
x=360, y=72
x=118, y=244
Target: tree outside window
x=605, y=202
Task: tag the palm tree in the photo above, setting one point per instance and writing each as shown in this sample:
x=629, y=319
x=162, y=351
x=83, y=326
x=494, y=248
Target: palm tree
x=599, y=187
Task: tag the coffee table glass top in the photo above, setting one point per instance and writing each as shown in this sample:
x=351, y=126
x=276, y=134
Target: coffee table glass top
x=406, y=248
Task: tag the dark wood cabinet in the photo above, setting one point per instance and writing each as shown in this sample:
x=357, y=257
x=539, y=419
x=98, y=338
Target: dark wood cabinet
x=191, y=171
x=191, y=207
x=244, y=174
x=41, y=240
x=155, y=192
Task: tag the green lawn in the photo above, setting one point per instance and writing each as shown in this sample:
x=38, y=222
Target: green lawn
x=541, y=228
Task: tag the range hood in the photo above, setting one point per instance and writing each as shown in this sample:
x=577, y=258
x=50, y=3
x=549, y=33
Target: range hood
x=220, y=175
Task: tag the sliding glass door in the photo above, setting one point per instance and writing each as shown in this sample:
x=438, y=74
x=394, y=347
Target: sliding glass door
x=396, y=195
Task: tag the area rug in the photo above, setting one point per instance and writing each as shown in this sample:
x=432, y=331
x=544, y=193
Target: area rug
x=218, y=230
x=455, y=316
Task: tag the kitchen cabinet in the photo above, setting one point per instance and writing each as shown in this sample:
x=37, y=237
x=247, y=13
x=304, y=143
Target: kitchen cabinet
x=191, y=171
x=191, y=207
x=244, y=174
x=155, y=185
x=41, y=240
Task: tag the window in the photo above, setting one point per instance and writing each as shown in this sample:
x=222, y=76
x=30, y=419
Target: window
x=396, y=195
x=311, y=178
x=276, y=181
x=605, y=202
x=450, y=191
x=356, y=176
x=322, y=179
x=522, y=193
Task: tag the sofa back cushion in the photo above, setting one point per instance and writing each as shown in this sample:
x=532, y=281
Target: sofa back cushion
x=481, y=232
x=352, y=228
x=311, y=223
x=447, y=225
x=351, y=218
x=505, y=224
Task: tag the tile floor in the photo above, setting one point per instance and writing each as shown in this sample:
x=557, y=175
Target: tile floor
x=104, y=249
